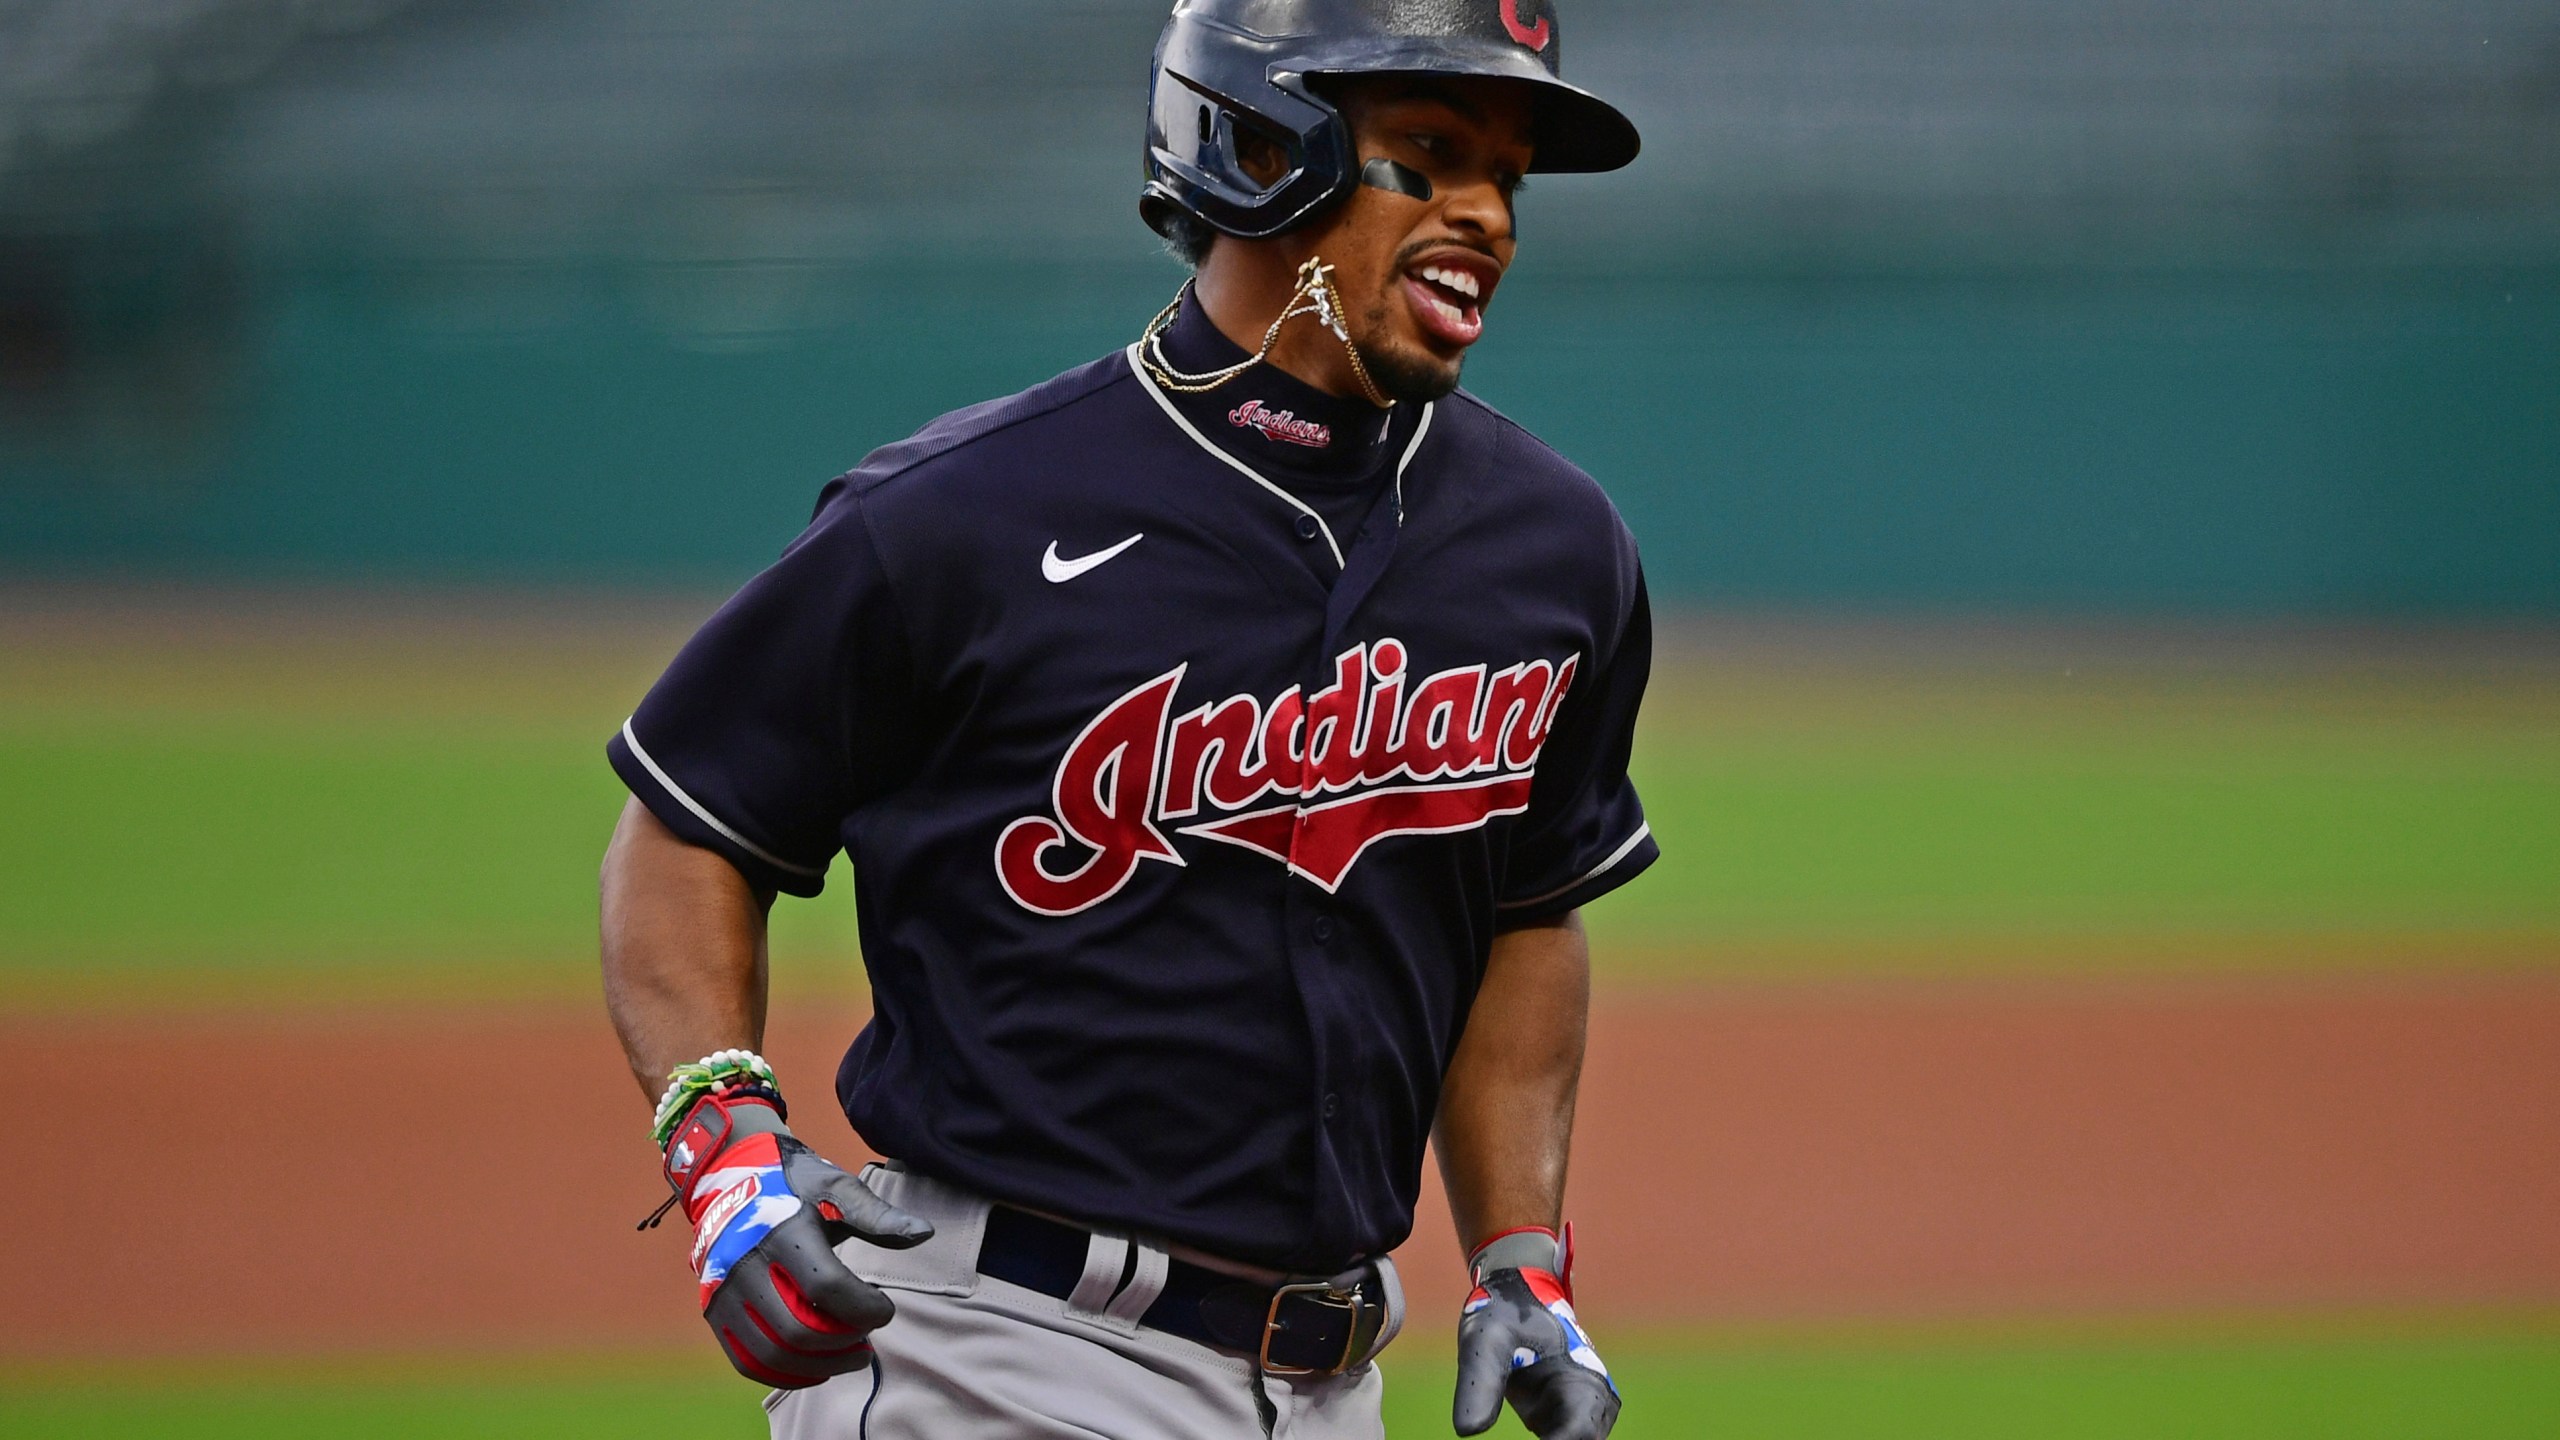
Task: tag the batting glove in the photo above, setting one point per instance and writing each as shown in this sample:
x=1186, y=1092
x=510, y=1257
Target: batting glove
x=767, y=1215
x=1518, y=1340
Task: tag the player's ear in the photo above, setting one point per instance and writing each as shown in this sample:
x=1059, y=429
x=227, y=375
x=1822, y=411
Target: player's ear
x=1261, y=158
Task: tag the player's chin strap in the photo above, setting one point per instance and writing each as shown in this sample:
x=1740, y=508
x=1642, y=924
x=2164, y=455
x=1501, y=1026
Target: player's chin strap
x=1315, y=296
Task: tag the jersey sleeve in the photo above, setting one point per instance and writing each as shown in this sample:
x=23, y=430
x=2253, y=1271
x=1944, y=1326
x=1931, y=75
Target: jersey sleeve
x=783, y=713
x=1584, y=834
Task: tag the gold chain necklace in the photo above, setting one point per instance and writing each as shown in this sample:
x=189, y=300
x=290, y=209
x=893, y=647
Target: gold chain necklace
x=1315, y=296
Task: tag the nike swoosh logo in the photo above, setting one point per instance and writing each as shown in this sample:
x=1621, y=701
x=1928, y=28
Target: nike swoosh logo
x=1059, y=572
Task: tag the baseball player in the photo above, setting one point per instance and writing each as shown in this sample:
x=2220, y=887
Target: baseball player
x=1224, y=735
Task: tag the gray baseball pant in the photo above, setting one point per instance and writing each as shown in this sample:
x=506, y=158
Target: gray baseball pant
x=970, y=1357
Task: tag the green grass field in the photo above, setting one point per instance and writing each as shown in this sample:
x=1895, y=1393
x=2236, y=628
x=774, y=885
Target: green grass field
x=267, y=820
x=2489, y=1386
x=290, y=816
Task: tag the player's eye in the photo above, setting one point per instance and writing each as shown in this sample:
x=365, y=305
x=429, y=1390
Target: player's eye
x=1429, y=144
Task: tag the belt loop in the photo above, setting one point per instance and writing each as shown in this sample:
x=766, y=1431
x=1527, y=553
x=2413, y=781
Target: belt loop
x=1391, y=1288
x=1105, y=1256
x=1130, y=1305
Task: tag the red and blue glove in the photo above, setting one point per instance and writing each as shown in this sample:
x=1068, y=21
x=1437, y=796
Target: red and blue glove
x=1518, y=1340
x=767, y=1214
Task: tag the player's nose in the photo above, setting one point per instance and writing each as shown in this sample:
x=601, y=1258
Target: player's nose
x=1479, y=207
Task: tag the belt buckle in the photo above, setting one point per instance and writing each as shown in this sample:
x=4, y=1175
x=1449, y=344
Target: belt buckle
x=1320, y=1292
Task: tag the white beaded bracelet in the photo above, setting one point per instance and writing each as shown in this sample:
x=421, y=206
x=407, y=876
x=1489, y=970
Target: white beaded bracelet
x=687, y=1082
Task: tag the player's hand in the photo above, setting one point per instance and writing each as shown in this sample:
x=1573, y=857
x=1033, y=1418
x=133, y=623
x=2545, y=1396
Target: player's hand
x=1518, y=1340
x=767, y=1215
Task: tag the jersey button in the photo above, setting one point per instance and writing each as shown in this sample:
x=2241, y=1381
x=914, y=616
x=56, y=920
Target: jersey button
x=1306, y=527
x=1324, y=929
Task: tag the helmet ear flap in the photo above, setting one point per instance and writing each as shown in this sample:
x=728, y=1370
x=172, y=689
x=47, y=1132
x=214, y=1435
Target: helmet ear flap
x=1231, y=132
x=1205, y=102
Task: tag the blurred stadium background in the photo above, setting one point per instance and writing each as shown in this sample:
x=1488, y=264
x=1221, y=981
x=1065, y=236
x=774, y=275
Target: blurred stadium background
x=2099, y=461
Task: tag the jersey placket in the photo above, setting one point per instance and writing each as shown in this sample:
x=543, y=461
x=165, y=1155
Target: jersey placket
x=1318, y=940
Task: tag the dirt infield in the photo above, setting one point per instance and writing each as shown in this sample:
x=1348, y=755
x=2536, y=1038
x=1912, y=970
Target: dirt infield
x=329, y=1181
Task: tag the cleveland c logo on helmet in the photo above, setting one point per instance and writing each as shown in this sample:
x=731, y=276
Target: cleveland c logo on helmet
x=1533, y=36
x=1225, y=68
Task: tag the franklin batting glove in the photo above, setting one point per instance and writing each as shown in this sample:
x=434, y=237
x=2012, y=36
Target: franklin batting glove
x=767, y=1215
x=1518, y=1340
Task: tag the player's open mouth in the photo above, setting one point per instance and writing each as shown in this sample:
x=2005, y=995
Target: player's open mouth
x=1448, y=297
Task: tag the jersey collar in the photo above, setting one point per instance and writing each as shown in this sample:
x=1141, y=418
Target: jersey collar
x=1173, y=412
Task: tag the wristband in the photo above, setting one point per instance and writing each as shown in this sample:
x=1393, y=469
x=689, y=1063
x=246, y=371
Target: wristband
x=719, y=1070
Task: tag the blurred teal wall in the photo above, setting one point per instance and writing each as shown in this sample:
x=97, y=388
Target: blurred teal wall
x=2353, y=442
x=2211, y=306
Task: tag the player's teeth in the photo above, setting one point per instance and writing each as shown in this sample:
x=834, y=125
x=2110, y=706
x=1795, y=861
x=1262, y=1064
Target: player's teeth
x=1457, y=280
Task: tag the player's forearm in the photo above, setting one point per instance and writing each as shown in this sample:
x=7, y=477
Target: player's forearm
x=684, y=949
x=1505, y=1125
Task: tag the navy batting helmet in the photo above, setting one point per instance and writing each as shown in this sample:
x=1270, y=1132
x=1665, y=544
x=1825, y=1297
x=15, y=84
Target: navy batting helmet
x=1225, y=64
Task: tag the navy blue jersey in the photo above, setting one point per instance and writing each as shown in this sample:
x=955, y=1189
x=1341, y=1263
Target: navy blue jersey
x=1176, y=865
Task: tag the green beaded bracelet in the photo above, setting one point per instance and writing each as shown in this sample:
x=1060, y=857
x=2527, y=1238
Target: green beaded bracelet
x=690, y=1082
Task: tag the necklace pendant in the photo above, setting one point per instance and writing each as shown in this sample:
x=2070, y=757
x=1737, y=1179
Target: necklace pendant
x=1328, y=317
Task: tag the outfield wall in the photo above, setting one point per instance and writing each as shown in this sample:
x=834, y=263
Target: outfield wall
x=2351, y=442
x=2224, y=307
